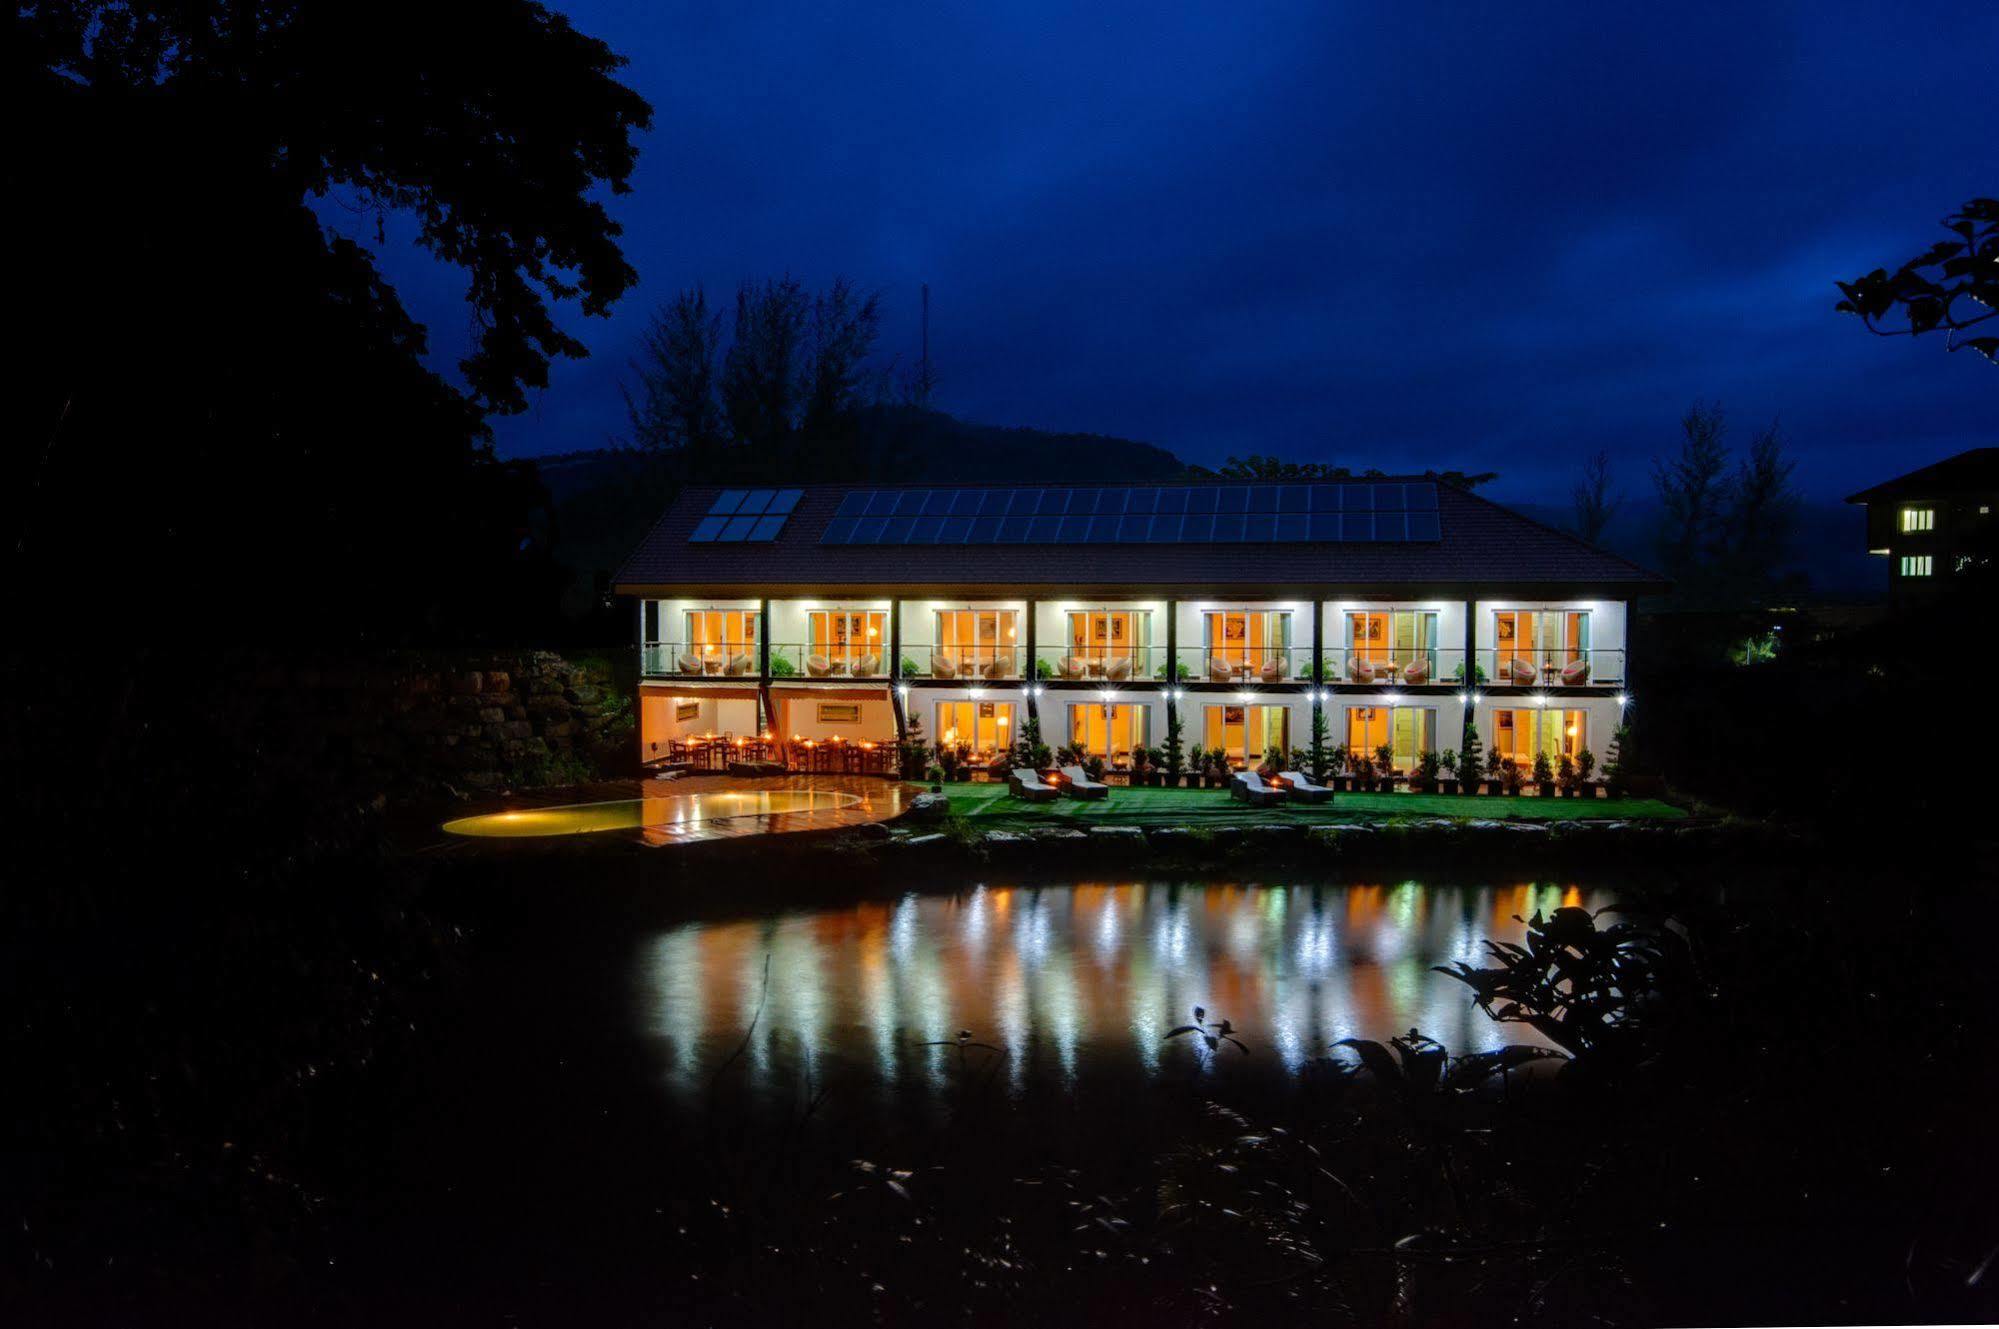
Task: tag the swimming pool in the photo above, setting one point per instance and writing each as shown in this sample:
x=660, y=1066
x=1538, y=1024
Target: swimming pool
x=667, y=812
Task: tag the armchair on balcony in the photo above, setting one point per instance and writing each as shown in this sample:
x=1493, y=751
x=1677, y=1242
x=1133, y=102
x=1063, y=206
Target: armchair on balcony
x=943, y=666
x=1272, y=670
x=1117, y=669
x=997, y=667
x=689, y=662
x=1362, y=670
x=1221, y=670
x=867, y=666
x=1074, y=668
x=1520, y=672
x=818, y=666
x=1417, y=671
x=1575, y=673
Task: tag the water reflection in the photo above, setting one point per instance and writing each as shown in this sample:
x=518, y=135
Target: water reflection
x=1072, y=981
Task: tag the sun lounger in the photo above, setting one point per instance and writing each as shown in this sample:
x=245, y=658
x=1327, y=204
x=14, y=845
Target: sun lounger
x=1029, y=785
x=1303, y=788
x=1077, y=784
x=1248, y=787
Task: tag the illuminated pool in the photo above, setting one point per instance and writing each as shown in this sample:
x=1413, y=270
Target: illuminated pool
x=668, y=812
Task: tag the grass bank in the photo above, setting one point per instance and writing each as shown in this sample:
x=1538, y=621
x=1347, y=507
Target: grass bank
x=989, y=806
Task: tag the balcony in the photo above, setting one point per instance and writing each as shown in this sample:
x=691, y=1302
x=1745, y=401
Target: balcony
x=1379, y=666
x=665, y=659
x=968, y=664
x=809, y=660
x=1103, y=664
x=1514, y=668
x=1245, y=664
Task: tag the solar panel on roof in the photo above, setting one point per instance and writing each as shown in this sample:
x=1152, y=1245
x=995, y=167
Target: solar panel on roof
x=752, y=515
x=1344, y=512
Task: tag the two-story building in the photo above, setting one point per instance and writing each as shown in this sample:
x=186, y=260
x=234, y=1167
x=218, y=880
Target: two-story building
x=1936, y=526
x=1400, y=608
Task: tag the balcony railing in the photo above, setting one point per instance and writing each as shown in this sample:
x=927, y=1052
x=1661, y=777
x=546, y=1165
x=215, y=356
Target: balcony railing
x=1102, y=664
x=660, y=659
x=1512, y=668
x=1395, y=667
x=972, y=664
x=810, y=660
x=1245, y=664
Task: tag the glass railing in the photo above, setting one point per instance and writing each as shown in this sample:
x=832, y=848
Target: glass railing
x=663, y=659
x=1405, y=667
x=1245, y=664
x=1102, y=664
x=817, y=660
x=973, y=664
x=1511, y=668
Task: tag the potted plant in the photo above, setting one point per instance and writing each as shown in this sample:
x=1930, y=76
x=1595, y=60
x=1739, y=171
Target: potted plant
x=1363, y=772
x=1384, y=768
x=1496, y=767
x=1218, y=768
x=1470, y=767
x=1544, y=775
x=947, y=763
x=1424, y=777
x=1448, y=762
x=780, y=667
x=1615, y=781
x=1510, y=779
x=1093, y=766
x=1336, y=766
x=1585, y=769
x=1043, y=670
x=1565, y=775
x=1197, y=764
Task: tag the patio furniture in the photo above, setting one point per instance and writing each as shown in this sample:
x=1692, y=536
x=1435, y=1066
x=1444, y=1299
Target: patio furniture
x=1117, y=670
x=689, y=662
x=1575, y=674
x=1023, y=783
x=1077, y=784
x=868, y=665
x=996, y=667
x=1520, y=673
x=1302, y=787
x=943, y=666
x=1248, y=787
x=1220, y=670
x=1417, y=671
x=741, y=663
x=712, y=663
x=1362, y=671
x=818, y=666
x=1272, y=670
x=1074, y=667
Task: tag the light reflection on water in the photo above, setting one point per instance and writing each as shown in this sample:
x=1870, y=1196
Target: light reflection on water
x=1073, y=980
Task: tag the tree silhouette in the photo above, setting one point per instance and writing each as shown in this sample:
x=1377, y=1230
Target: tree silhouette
x=1595, y=504
x=1952, y=285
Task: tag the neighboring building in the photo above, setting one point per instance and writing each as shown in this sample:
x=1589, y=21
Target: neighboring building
x=843, y=610
x=1936, y=525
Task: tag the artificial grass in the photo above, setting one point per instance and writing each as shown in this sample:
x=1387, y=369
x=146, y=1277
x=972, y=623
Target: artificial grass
x=990, y=805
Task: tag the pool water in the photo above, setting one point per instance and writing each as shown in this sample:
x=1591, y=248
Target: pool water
x=666, y=812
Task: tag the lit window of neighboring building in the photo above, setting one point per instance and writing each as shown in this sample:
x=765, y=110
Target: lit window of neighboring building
x=1919, y=519
x=1915, y=565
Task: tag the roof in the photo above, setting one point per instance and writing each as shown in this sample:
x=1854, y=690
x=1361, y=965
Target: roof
x=1967, y=472
x=1480, y=543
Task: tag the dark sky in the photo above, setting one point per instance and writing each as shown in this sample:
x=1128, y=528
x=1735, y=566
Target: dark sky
x=1404, y=236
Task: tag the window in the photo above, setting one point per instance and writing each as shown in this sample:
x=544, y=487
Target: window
x=1241, y=643
x=977, y=642
x=1915, y=565
x=1099, y=637
x=1386, y=642
x=1245, y=733
x=1919, y=519
x=1533, y=646
x=985, y=728
x=1407, y=731
x=1518, y=734
x=721, y=634
x=1112, y=732
x=856, y=640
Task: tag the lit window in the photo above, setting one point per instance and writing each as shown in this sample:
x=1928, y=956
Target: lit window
x=1915, y=565
x=1919, y=519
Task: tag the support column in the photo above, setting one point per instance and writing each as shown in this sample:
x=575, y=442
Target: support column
x=1028, y=671
x=763, y=665
x=895, y=671
x=1468, y=684
x=1173, y=671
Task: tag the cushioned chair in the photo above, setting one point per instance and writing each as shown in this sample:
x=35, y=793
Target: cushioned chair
x=1220, y=670
x=1023, y=783
x=818, y=666
x=997, y=667
x=1074, y=667
x=690, y=663
x=1575, y=673
x=1362, y=671
x=741, y=663
x=943, y=666
x=1272, y=670
x=1248, y=787
x=1077, y=784
x=1302, y=787
x=1417, y=670
x=867, y=666
x=1521, y=673
x=1117, y=669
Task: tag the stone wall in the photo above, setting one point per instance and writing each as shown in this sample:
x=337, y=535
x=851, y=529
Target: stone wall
x=451, y=722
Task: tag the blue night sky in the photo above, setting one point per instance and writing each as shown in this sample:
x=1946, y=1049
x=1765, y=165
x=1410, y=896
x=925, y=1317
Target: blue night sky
x=1406, y=236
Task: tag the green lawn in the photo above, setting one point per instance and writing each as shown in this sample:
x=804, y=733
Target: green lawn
x=990, y=805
